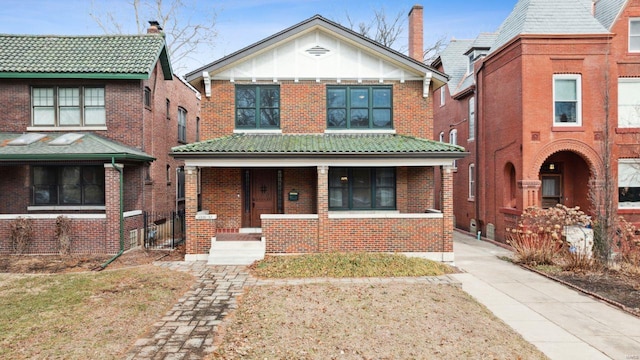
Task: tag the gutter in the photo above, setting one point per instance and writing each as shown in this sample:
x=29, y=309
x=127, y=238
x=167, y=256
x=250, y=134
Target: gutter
x=103, y=266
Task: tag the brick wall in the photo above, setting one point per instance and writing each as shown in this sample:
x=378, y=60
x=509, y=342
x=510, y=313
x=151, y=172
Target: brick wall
x=290, y=235
x=386, y=235
x=303, y=180
x=87, y=236
x=303, y=107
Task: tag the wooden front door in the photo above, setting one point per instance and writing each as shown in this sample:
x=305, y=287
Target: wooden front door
x=260, y=195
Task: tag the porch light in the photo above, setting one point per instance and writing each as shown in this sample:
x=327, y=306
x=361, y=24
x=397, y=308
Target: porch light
x=344, y=179
x=552, y=166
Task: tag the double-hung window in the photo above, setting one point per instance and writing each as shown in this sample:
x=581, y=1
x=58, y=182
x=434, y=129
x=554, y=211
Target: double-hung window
x=182, y=125
x=362, y=189
x=67, y=185
x=567, y=100
x=68, y=106
x=629, y=183
x=257, y=107
x=472, y=118
x=634, y=35
x=359, y=107
x=629, y=102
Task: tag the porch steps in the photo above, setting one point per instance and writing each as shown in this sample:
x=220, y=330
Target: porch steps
x=236, y=252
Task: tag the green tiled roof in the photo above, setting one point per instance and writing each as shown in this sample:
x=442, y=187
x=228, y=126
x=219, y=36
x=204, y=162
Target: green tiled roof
x=115, y=56
x=320, y=144
x=87, y=147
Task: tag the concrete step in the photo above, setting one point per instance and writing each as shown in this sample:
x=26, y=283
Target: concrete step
x=235, y=252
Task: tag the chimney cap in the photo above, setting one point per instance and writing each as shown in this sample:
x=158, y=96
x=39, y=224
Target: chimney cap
x=155, y=23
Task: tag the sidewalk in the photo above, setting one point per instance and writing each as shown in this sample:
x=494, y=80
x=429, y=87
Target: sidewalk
x=561, y=322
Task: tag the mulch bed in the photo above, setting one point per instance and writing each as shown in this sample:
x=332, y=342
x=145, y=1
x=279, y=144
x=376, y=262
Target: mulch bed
x=619, y=288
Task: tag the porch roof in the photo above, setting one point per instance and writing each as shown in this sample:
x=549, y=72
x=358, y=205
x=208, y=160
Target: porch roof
x=328, y=146
x=34, y=147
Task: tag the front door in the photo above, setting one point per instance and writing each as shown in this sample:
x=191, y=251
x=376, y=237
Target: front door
x=260, y=195
x=551, y=190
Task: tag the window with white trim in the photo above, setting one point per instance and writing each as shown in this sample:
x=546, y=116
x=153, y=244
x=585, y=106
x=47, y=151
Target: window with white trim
x=472, y=117
x=629, y=183
x=68, y=106
x=567, y=100
x=442, y=95
x=441, y=136
x=472, y=182
x=634, y=34
x=629, y=102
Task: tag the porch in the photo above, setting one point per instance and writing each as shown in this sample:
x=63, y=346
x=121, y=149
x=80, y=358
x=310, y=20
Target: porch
x=356, y=194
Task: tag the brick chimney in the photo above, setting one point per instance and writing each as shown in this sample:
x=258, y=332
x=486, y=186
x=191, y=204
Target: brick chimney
x=416, y=33
x=154, y=27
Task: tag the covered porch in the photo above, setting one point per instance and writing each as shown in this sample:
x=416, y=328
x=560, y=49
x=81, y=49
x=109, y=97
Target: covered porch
x=347, y=198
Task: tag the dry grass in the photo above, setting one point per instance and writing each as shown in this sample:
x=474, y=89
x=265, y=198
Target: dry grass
x=363, y=321
x=347, y=265
x=395, y=320
x=83, y=315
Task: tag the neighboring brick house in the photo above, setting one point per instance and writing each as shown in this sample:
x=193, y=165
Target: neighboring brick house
x=78, y=111
x=316, y=138
x=558, y=78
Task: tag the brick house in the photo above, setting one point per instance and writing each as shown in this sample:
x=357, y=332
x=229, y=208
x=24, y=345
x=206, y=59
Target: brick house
x=559, y=81
x=87, y=125
x=315, y=139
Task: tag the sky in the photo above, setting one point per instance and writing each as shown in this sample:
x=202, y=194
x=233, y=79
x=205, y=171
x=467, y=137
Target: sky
x=240, y=23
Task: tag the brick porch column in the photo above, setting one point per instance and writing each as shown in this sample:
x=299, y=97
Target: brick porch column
x=191, y=209
x=447, y=208
x=112, y=207
x=530, y=192
x=323, y=208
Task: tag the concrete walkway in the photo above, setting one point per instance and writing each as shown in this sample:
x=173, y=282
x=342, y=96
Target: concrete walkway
x=561, y=322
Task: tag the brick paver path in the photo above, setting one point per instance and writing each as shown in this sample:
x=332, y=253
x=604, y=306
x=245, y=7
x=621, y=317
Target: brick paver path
x=187, y=330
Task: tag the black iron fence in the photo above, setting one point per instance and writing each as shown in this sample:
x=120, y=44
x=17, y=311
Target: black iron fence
x=164, y=230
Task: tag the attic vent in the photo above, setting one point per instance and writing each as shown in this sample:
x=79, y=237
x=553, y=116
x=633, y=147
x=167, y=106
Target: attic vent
x=317, y=51
x=26, y=139
x=66, y=139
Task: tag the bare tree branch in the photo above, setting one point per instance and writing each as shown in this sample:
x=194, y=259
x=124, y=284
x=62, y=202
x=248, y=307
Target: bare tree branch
x=432, y=51
x=183, y=35
x=386, y=31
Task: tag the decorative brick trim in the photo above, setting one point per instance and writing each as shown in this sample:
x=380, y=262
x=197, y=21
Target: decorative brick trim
x=584, y=150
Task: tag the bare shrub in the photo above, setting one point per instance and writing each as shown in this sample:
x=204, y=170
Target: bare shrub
x=627, y=243
x=578, y=260
x=63, y=234
x=21, y=234
x=539, y=238
x=534, y=248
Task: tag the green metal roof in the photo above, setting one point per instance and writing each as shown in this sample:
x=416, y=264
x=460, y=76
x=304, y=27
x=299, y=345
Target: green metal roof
x=107, y=56
x=319, y=144
x=88, y=147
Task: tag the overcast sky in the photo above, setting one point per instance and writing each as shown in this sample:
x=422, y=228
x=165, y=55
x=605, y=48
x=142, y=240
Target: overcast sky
x=243, y=22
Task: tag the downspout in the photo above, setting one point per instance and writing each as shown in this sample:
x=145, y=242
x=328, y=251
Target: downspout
x=103, y=266
x=476, y=130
